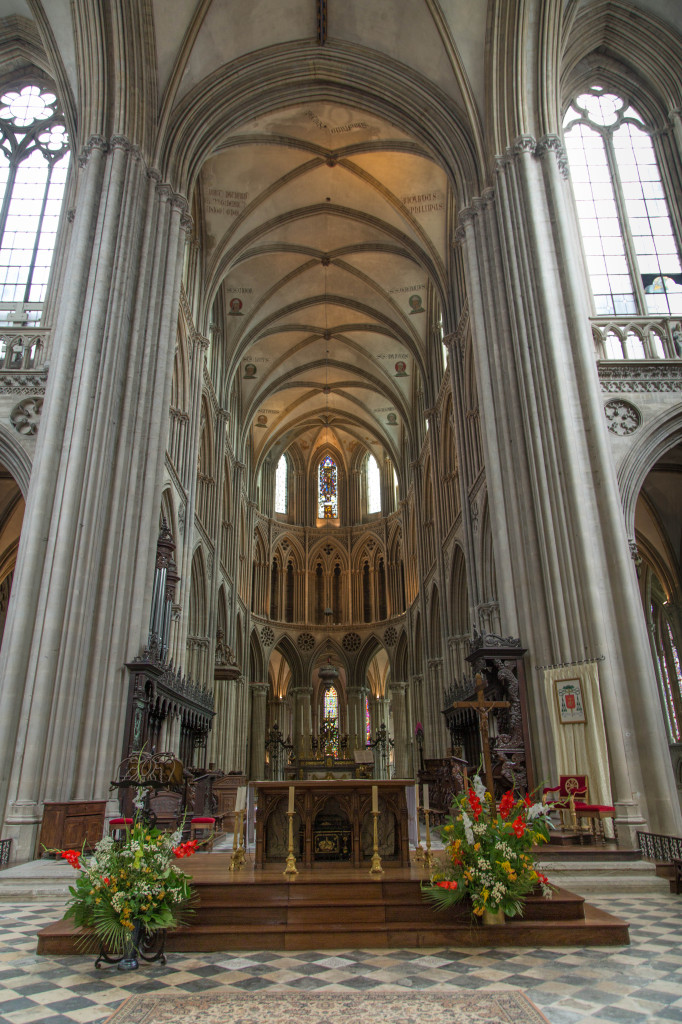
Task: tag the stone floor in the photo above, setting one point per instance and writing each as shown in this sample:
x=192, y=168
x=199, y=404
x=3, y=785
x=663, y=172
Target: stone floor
x=626, y=985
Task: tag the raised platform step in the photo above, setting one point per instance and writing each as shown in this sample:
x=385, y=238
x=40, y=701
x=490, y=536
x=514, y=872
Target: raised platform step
x=601, y=877
x=333, y=907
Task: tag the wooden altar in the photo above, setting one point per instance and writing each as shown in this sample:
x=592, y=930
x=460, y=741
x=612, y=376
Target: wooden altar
x=332, y=820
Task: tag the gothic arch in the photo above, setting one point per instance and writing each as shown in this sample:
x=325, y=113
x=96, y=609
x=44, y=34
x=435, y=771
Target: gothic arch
x=256, y=662
x=401, y=658
x=197, y=618
x=287, y=650
x=655, y=439
x=15, y=459
x=435, y=634
x=628, y=48
x=459, y=594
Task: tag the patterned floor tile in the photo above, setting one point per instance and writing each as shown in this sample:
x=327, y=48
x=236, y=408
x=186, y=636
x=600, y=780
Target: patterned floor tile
x=639, y=983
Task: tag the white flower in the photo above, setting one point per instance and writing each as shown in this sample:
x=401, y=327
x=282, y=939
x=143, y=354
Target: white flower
x=479, y=788
x=536, y=811
x=479, y=828
x=468, y=831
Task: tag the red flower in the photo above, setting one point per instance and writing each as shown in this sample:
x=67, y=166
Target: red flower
x=447, y=885
x=186, y=849
x=73, y=857
x=475, y=804
x=527, y=800
x=506, y=804
x=519, y=826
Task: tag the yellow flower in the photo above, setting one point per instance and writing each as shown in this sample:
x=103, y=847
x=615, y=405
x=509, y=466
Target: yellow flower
x=477, y=846
x=479, y=911
x=485, y=894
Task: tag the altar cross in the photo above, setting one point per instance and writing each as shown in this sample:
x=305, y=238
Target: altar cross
x=483, y=707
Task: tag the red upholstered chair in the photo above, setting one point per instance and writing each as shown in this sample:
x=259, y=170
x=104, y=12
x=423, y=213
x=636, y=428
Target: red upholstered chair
x=570, y=787
x=198, y=827
x=573, y=796
x=596, y=815
x=118, y=826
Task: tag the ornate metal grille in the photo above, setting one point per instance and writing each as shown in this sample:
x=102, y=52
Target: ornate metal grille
x=663, y=848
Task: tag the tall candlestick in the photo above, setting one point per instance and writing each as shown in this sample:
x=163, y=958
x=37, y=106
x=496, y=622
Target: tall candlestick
x=291, y=799
x=375, y=799
x=416, y=796
x=426, y=797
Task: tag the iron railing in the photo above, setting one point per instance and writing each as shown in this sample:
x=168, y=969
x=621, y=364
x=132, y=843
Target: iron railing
x=661, y=848
x=5, y=848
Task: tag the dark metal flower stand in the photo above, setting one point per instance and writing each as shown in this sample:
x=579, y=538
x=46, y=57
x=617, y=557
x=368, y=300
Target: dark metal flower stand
x=148, y=946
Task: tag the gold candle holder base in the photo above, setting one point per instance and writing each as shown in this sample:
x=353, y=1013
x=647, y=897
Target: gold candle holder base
x=290, y=870
x=418, y=855
x=376, y=868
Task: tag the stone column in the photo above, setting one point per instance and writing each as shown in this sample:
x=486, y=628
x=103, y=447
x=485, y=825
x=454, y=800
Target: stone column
x=401, y=747
x=225, y=692
x=435, y=733
x=92, y=510
x=356, y=717
x=302, y=725
x=259, y=698
x=567, y=585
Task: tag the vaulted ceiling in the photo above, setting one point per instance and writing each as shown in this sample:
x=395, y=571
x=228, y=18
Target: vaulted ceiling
x=325, y=230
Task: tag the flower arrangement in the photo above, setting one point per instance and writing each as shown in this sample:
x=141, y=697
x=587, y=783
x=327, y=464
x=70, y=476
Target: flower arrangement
x=130, y=884
x=489, y=856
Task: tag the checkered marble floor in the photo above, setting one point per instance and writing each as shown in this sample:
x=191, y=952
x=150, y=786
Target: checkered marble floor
x=622, y=985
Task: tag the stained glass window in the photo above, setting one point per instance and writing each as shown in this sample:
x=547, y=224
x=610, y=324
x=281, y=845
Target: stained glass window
x=368, y=724
x=330, y=708
x=281, y=485
x=34, y=160
x=630, y=247
x=327, y=490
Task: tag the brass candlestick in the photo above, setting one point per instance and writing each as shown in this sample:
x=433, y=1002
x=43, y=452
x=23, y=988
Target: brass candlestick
x=428, y=857
x=237, y=860
x=419, y=849
x=376, y=868
x=290, y=869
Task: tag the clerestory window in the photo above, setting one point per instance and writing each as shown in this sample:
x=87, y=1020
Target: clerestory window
x=34, y=161
x=373, y=486
x=327, y=489
x=282, y=485
x=630, y=247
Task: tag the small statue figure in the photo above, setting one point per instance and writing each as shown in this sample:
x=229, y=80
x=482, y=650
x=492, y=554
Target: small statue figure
x=223, y=652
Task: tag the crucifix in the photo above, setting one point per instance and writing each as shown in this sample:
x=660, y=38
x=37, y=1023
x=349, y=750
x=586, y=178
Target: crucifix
x=483, y=707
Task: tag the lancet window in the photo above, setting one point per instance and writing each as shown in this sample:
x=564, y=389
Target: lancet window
x=632, y=255
x=327, y=504
x=34, y=160
x=282, y=485
x=373, y=486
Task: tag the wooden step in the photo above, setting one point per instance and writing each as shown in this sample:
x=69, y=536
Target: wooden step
x=258, y=910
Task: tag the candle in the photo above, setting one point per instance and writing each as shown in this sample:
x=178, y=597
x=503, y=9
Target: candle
x=416, y=796
x=291, y=799
x=375, y=799
x=426, y=797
